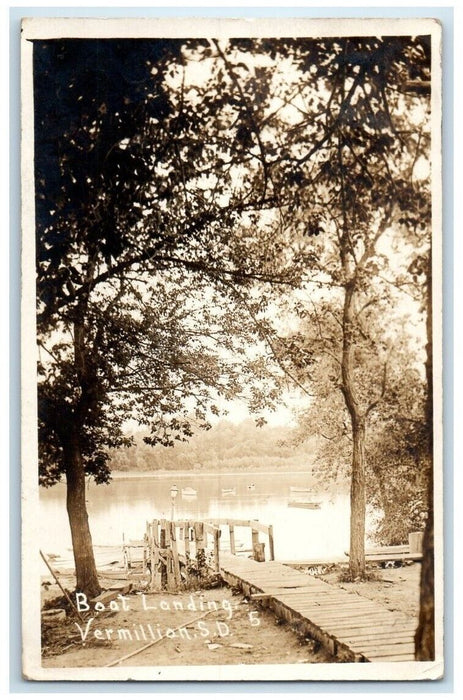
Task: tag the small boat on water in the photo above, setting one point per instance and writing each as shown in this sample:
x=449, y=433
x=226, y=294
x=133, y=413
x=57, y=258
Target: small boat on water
x=300, y=489
x=189, y=492
x=229, y=492
x=304, y=504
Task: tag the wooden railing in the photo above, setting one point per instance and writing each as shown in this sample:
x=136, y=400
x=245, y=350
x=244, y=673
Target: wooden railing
x=199, y=553
x=255, y=527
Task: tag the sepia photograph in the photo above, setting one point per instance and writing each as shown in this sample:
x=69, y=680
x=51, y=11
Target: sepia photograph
x=231, y=349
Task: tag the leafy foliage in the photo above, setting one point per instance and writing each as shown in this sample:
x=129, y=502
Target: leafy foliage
x=397, y=457
x=137, y=261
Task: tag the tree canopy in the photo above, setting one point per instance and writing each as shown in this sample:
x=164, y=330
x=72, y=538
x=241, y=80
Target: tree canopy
x=136, y=255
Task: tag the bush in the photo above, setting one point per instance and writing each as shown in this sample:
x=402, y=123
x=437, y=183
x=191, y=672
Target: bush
x=399, y=519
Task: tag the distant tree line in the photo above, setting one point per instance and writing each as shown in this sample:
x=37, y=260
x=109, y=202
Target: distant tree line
x=226, y=446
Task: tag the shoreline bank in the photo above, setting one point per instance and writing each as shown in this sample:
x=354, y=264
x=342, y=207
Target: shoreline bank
x=181, y=474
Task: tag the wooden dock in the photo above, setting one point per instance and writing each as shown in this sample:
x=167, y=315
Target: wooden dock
x=352, y=627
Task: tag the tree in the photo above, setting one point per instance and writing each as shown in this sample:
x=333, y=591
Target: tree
x=359, y=158
x=136, y=261
x=397, y=460
x=357, y=152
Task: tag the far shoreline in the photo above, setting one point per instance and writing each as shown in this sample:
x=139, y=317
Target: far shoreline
x=194, y=474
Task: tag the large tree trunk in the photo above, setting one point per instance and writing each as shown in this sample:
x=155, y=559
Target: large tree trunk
x=357, y=501
x=86, y=574
x=425, y=634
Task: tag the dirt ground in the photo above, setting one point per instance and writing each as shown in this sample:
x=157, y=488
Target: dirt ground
x=396, y=589
x=216, y=626
x=208, y=627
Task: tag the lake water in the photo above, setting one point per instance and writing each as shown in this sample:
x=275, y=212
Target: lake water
x=122, y=508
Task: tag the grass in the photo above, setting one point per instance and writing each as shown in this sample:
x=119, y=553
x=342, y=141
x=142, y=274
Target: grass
x=346, y=577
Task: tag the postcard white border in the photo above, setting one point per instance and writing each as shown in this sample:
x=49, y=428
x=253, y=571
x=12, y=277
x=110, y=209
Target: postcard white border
x=169, y=27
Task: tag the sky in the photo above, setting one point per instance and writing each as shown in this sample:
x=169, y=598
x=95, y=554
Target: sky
x=284, y=415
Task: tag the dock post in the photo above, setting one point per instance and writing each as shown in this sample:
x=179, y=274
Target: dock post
x=169, y=558
x=415, y=540
x=257, y=548
x=200, y=554
x=187, y=541
x=175, y=560
x=154, y=550
x=162, y=546
x=216, y=550
x=259, y=551
x=270, y=543
x=232, y=538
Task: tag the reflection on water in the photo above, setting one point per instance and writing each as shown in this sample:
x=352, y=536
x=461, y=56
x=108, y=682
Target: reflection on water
x=123, y=507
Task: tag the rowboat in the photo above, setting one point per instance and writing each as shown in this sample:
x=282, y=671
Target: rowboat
x=304, y=504
x=188, y=491
x=300, y=489
x=229, y=492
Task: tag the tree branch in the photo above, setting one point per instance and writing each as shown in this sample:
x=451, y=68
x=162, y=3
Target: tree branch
x=373, y=404
x=250, y=115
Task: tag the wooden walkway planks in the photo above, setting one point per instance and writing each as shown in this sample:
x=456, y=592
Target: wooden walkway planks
x=351, y=626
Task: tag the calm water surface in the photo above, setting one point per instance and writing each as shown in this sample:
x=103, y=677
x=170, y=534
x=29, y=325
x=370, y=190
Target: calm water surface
x=122, y=508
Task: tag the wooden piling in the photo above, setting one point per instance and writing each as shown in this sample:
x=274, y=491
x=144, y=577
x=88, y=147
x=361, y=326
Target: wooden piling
x=175, y=560
x=162, y=545
x=216, y=550
x=270, y=543
x=415, y=540
x=232, y=538
x=187, y=541
x=169, y=558
x=259, y=551
x=255, y=544
x=200, y=547
x=154, y=551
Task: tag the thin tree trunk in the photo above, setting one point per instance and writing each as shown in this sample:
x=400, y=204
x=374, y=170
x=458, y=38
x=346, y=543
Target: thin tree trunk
x=357, y=492
x=86, y=574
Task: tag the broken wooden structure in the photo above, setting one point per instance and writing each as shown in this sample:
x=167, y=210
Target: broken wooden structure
x=174, y=553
